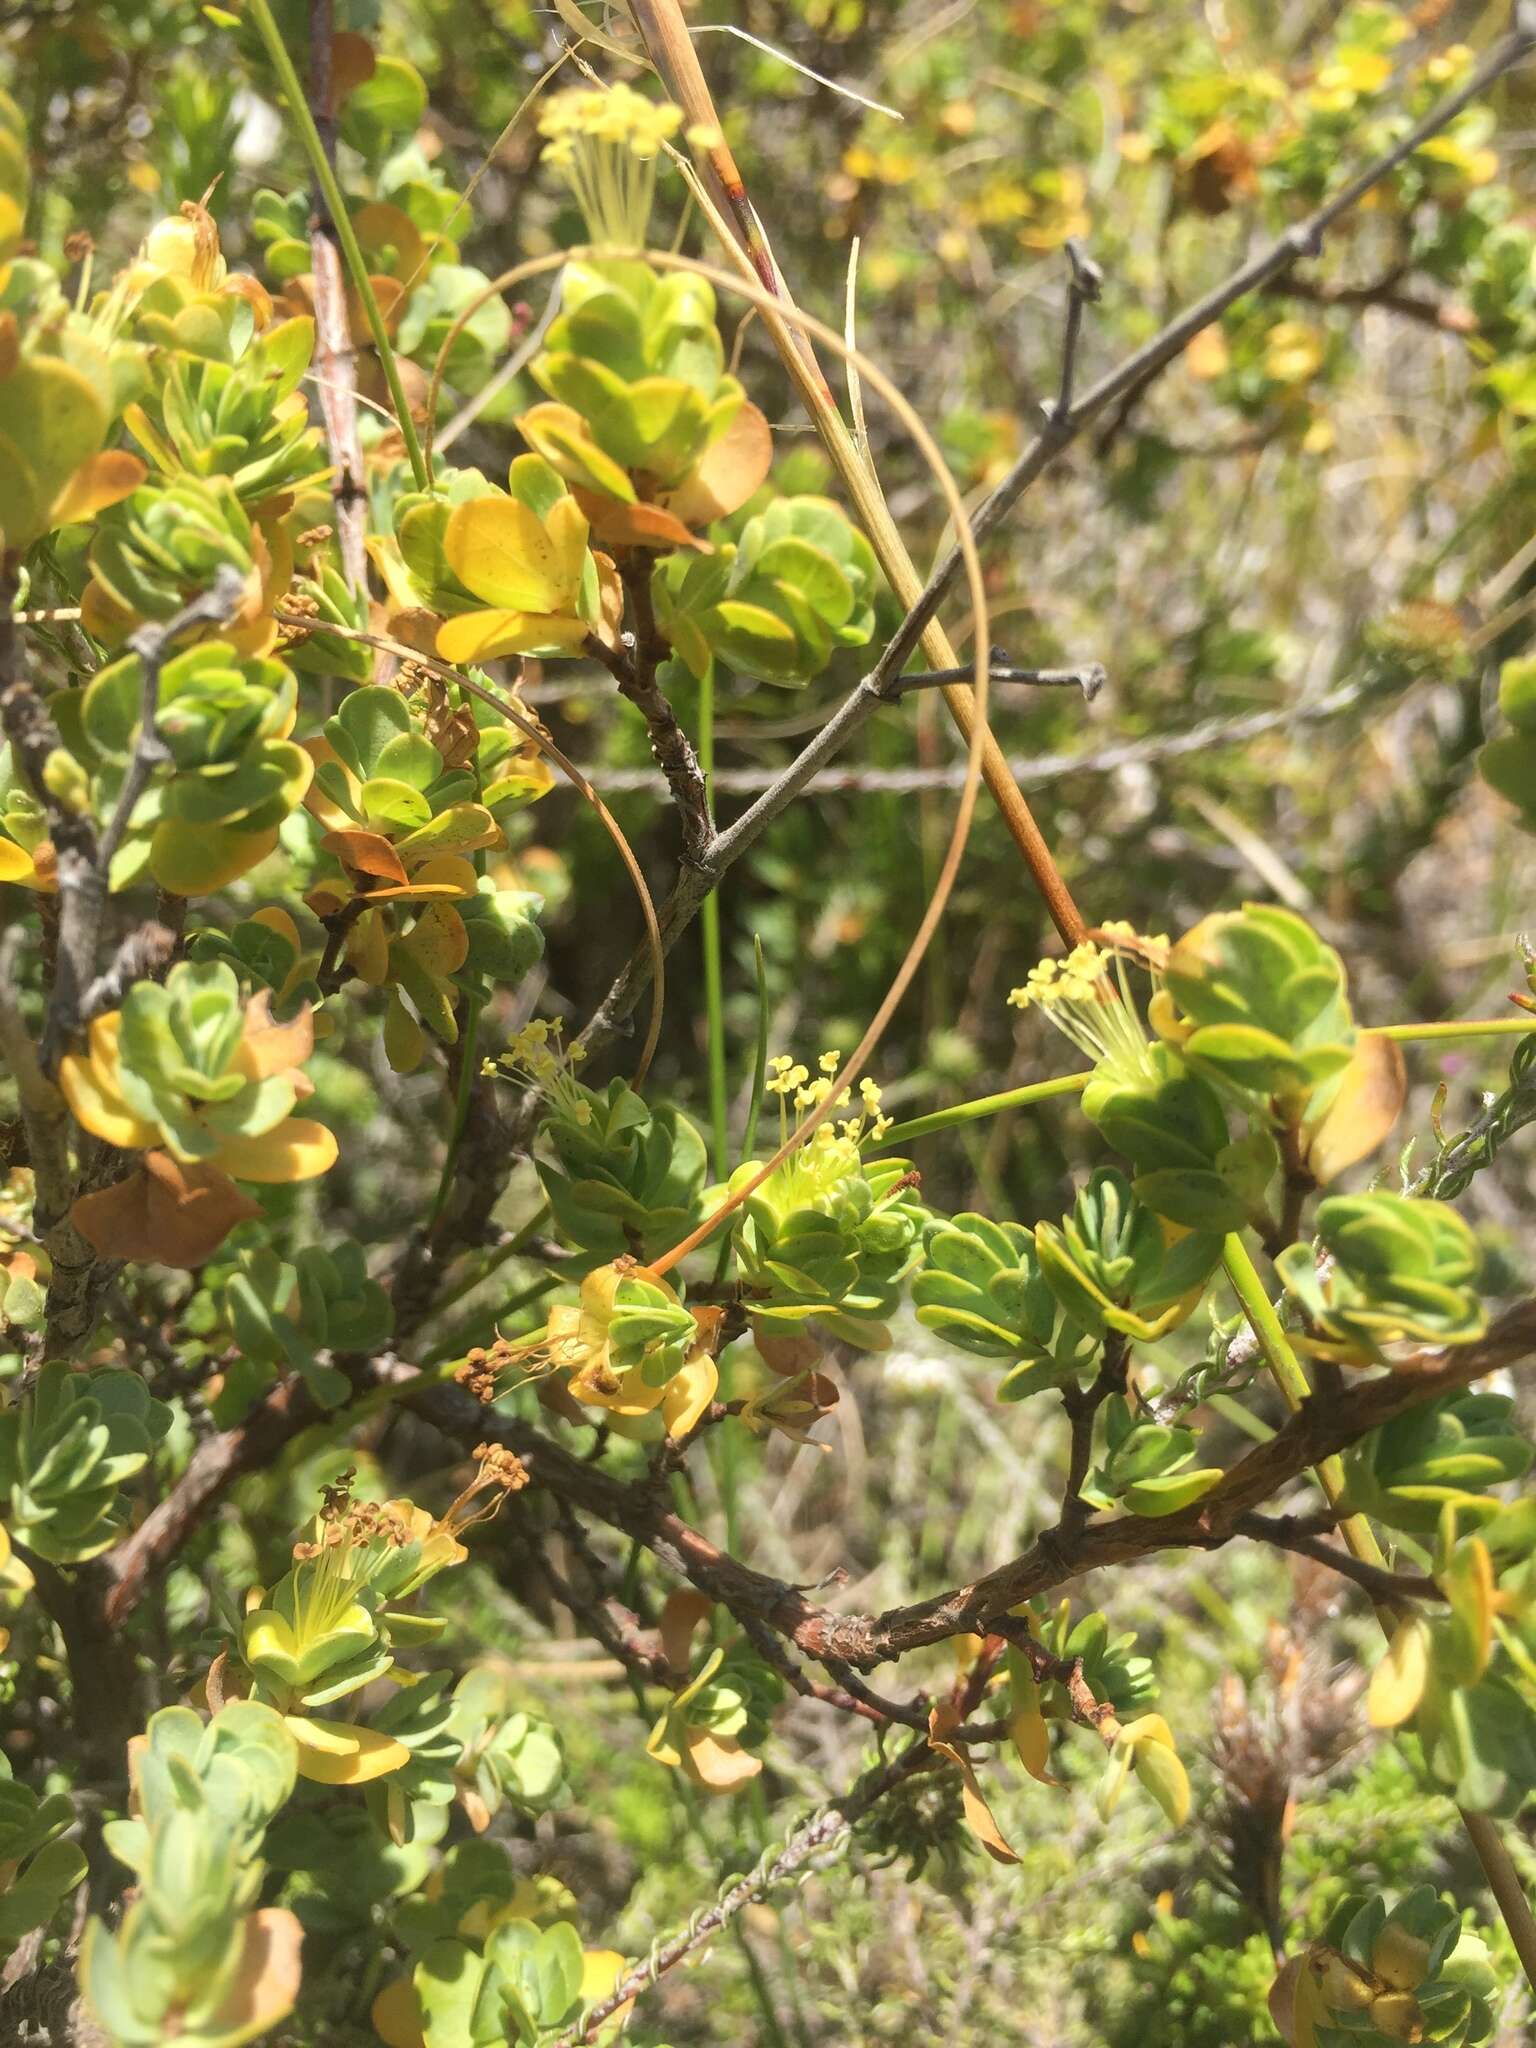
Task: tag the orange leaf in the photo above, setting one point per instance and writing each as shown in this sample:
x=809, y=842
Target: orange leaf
x=689, y=1392
x=365, y=853
x=164, y=1214
x=635, y=526
x=1365, y=1106
x=104, y=480
x=268, y=1047
x=266, y=1979
x=717, y=1762
x=730, y=470
x=680, y=1616
x=396, y=2015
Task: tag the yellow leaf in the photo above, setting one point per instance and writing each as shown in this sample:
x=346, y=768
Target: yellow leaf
x=601, y=1971
x=483, y=636
x=102, y=481
x=689, y=1393
x=501, y=550
x=341, y=1752
x=1398, y=1682
x=278, y=920
x=446, y=870
x=1161, y=1770
x=367, y=948
x=405, y=1042
x=35, y=870
x=1293, y=352
x=631, y=1394
x=89, y=1086
x=1032, y=1739
x=296, y=1149
x=396, y=2015
x=979, y=1818
x=437, y=940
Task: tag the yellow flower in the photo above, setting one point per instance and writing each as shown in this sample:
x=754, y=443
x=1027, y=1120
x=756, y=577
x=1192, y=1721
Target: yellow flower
x=1293, y=352
x=1088, y=998
x=605, y=142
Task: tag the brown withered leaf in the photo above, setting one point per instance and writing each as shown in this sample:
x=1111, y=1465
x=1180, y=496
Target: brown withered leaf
x=164, y=1213
x=1219, y=168
x=352, y=64
x=786, y=1355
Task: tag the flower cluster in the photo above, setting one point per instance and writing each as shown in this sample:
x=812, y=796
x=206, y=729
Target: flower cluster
x=536, y=1056
x=788, y=1078
x=1087, y=997
x=605, y=142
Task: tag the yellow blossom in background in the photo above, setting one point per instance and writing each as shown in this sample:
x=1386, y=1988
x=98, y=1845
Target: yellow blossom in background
x=1293, y=353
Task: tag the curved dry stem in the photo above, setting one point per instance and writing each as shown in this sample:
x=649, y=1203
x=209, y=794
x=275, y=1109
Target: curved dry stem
x=563, y=762
x=767, y=302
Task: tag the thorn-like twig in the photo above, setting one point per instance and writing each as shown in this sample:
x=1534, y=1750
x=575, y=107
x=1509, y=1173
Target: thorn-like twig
x=1083, y=289
x=1088, y=676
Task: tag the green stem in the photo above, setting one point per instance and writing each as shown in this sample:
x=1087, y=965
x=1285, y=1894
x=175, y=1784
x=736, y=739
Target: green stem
x=760, y=1057
x=1070, y=1084
x=470, y=1040
x=1291, y=1378
x=1476, y=1027
x=709, y=921
x=983, y=1105
x=336, y=205
x=482, y=1268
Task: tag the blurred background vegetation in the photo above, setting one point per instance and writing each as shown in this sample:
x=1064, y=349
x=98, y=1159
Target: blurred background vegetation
x=1299, y=556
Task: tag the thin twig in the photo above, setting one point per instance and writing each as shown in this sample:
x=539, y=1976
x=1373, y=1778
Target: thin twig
x=1089, y=677
x=1304, y=240
x=1383, y=1586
